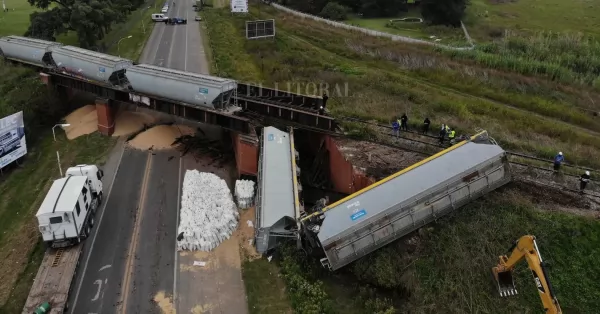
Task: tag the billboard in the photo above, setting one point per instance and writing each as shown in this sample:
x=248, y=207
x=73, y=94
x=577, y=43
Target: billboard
x=260, y=29
x=239, y=6
x=12, y=139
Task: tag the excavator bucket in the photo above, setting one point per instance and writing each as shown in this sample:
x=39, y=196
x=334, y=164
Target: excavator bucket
x=505, y=282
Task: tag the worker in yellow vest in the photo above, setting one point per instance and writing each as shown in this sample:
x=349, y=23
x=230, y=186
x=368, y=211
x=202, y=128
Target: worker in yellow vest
x=451, y=136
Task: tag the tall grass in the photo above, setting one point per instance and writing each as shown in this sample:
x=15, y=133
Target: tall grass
x=564, y=57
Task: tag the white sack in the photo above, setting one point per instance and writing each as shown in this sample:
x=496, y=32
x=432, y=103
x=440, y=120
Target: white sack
x=208, y=214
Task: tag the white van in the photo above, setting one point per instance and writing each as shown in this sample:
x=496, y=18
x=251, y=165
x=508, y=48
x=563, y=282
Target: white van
x=159, y=17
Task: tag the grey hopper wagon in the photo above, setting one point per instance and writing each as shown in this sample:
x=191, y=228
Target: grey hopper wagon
x=185, y=87
x=91, y=65
x=393, y=207
x=277, y=204
x=28, y=50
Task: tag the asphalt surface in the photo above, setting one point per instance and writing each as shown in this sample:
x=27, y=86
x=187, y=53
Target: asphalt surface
x=178, y=47
x=97, y=288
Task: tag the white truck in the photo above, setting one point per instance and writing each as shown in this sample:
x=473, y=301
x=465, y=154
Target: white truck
x=66, y=217
x=67, y=214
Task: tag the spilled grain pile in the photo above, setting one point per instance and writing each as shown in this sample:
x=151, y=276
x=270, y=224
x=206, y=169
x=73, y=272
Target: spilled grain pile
x=84, y=121
x=128, y=122
x=160, y=136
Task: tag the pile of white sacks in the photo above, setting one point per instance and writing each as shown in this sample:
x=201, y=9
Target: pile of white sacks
x=244, y=193
x=208, y=214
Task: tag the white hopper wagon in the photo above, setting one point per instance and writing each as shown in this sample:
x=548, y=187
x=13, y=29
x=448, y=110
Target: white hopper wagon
x=403, y=202
x=91, y=65
x=27, y=50
x=186, y=87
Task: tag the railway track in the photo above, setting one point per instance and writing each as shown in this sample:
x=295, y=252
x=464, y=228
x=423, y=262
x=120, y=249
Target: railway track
x=523, y=161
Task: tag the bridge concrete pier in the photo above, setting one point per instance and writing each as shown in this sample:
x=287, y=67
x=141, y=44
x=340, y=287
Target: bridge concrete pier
x=105, y=109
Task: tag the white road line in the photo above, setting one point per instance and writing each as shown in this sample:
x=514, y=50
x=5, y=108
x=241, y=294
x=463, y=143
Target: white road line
x=176, y=264
x=186, y=42
x=151, y=61
x=98, y=228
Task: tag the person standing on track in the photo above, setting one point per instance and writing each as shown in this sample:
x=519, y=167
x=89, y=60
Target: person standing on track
x=426, y=124
x=583, y=181
x=396, y=128
x=442, y=134
x=404, y=122
x=558, y=160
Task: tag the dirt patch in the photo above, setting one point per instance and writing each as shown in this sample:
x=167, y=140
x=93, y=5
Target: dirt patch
x=245, y=234
x=164, y=303
x=375, y=160
x=548, y=199
x=160, y=137
x=84, y=121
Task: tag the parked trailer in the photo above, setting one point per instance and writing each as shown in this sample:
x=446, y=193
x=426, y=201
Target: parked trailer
x=53, y=281
x=186, y=87
x=395, y=206
x=28, y=50
x=91, y=65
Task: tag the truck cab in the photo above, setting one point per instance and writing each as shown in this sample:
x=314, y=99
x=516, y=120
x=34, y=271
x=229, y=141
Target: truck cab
x=93, y=174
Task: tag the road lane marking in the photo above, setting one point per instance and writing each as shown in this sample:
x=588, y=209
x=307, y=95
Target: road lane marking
x=89, y=253
x=104, y=267
x=99, y=283
x=133, y=243
x=186, y=42
x=176, y=264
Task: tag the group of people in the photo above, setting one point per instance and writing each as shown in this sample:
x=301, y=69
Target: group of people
x=401, y=124
x=583, y=179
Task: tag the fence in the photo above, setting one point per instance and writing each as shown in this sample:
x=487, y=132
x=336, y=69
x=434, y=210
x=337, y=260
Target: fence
x=369, y=32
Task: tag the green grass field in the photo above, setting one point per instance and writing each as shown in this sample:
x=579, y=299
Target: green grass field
x=446, y=35
x=533, y=16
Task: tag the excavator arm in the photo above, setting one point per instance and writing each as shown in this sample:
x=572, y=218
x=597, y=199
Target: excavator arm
x=526, y=248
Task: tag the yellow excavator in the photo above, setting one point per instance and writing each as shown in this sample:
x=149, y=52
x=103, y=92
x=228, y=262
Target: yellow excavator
x=527, y=248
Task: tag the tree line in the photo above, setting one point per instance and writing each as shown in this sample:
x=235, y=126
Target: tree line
x=438, y=12
x=91, y=20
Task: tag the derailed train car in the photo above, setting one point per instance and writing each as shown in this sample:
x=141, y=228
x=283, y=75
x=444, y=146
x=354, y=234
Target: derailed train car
x=393, y=207
x=120, y=73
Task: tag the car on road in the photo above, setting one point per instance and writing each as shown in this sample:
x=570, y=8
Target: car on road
x=175, y=20
x=197, y=18
x=164, y=10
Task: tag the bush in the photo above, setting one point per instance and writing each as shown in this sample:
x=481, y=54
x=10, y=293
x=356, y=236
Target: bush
x=308, y=296
x=335, y=11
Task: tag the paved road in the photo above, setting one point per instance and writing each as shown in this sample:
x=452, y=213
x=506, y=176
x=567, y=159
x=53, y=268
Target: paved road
x=97, y=289
x=177, y=47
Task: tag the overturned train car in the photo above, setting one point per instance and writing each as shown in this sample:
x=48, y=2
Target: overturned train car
x=395, y=206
